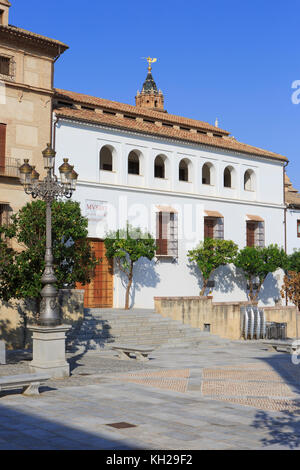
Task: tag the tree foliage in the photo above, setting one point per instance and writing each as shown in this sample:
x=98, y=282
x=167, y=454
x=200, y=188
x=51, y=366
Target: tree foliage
x=291, y=282
x=210, y=255
x=257, y=263
x=294, y=262
x=22, y=249
x=126, y=247
x=291, y=287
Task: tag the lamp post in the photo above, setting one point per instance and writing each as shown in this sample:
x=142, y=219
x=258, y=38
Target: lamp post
x=49, y=190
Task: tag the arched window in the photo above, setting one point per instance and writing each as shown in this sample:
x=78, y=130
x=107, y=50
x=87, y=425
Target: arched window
x=106, y=158
x=184, y=170
x=228, y=177
x=206, y=174
x=133, y=163
x=249, y=180
x=159, y=167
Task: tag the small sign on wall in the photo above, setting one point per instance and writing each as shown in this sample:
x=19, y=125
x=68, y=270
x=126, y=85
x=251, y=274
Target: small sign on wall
x=95, y=210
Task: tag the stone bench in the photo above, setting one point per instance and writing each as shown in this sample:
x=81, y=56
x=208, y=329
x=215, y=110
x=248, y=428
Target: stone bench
x=126, y=352
x=30, y=383
x=2, y=353
x=283, y=346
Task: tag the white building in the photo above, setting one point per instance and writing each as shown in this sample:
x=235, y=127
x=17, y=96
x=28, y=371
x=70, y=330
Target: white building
x=180, y=178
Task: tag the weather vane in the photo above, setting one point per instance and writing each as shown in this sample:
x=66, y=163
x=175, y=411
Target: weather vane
x=150, y=61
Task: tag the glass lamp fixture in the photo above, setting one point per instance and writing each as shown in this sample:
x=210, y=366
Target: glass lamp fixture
x=25, y=172
x=34, y=175
x=65, y=171
x=73, y=178
x=49, y=157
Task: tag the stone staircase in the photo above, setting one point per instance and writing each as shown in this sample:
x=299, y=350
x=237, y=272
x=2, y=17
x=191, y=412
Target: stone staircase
x=103, y=327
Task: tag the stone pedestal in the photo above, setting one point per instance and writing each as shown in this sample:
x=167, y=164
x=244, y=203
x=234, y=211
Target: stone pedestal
x=2, y=353
x=49, y=350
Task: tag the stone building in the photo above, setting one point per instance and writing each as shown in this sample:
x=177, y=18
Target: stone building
x=26, y=89
x=292, y=199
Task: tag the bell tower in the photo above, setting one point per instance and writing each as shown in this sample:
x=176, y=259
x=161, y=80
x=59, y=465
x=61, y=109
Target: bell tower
x=4, y=12
x=150, y=97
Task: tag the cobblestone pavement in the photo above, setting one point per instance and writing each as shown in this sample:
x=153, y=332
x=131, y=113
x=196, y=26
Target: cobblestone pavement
x=238, y=396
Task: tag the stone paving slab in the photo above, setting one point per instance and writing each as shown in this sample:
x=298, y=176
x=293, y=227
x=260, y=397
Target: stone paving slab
x=74, y=413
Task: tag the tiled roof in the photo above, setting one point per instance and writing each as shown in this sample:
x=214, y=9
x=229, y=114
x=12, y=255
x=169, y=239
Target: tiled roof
x=292, y=196
x=161, y=131
x=14, y=30
x=139, y=112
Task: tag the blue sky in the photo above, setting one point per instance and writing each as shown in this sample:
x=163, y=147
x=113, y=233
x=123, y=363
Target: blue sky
x=235, y=60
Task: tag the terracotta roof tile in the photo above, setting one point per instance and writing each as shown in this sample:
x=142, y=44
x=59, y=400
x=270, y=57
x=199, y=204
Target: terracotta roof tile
x=292, y=196
x=10, y=29
x=169, y=132
x=140, y=112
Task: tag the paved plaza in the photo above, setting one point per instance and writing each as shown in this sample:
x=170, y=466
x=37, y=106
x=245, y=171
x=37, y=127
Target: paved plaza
x=212, y=395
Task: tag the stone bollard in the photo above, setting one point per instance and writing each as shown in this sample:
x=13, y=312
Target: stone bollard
x=2, y=353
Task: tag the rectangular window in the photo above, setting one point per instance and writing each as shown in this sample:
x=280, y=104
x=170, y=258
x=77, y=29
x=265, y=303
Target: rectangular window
x=255, y=233
x=214, y=228
x=298, y=228
x=5, y=63
x=2, y=147
x=167, y=234
x=4, y=214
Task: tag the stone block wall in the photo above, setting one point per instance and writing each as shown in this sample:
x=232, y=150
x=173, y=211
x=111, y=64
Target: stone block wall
x=224, y=318
x=17, y=315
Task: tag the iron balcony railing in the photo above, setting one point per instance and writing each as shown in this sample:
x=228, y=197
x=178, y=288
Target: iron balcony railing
x=10, y=167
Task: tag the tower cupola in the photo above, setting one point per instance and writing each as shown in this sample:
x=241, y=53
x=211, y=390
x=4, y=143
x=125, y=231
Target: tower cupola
x=150, y=97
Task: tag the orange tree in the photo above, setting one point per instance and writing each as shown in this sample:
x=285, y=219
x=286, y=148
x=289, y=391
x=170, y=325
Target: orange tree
x=126, y=247
x=210, y=255
x=291, y=282
x=257, y=262
x=21, y=268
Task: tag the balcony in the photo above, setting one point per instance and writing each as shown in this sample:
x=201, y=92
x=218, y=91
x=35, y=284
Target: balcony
x=10, y=167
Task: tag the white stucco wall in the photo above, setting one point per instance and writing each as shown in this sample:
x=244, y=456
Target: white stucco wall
x=135, y=197
x=293, y=241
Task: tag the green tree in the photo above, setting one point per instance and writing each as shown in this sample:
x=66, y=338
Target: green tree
x=291, y=282
x=210, y=255
x=22, y=249
x=126, y=247
x=257, y=262
x=294, y=262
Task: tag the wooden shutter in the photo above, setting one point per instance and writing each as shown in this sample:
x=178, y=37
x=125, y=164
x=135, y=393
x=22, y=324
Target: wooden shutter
x=209, y=227
x=251, y=227
x=2, y=146
x=162, y=231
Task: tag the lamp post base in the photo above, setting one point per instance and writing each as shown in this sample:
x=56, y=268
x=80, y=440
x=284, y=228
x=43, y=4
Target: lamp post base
x=49, y=350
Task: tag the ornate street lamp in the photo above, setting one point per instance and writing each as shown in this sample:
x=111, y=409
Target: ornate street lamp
x=48, y=190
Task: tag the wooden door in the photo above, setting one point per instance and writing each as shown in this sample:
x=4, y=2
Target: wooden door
x=251, y=227
x=209, y=228
x=99, y=293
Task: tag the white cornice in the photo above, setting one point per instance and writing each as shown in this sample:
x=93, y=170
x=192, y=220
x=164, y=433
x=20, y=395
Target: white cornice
x=218, y=199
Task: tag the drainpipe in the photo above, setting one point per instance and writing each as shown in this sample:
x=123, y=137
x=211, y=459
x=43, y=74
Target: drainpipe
x=284, y=222
x=54, y=133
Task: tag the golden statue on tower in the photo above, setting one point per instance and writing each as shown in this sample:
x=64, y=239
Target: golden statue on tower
x=150, y=62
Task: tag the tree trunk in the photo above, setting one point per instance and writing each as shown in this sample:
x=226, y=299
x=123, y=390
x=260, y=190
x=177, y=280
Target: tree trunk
x=130, y=277
x=251, y=293
x=257, y=291
x=202, y=292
